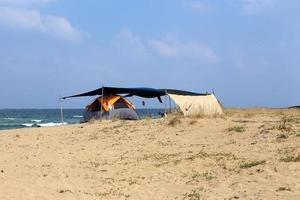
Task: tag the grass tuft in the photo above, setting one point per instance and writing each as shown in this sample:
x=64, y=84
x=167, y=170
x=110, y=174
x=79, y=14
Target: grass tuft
x=174, y=121
x=193, y=195
x=238, y=129
x=198, y=176
x=282, y=136
x=247, y=165
x=280, y=189
x=291, y=158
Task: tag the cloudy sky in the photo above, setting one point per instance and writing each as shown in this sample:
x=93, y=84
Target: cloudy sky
x=246, y=51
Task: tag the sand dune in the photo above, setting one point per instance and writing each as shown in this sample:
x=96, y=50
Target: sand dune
x=247, y=154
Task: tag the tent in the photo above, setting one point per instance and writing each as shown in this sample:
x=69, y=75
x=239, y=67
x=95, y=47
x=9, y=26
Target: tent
x=109, y=103
x=109, y=107
x=198, y=105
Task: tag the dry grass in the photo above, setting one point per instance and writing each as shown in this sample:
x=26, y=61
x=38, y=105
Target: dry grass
x=238, y=129
x=251, y=164
x=291, y=158
x=175, y=121
x=261, y=111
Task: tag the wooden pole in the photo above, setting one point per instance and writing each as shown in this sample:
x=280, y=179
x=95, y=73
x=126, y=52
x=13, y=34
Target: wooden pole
x=61, y=109
x=170, y=105
x=165, y=105
x=102, y=102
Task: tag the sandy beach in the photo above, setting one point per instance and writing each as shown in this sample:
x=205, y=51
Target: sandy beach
x=246, y=154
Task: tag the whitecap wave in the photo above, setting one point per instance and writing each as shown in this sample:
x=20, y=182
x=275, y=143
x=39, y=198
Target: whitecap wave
x=28, y=125
x=8, y=118
x=51, y=124
x=77, y=116
x=36, y=120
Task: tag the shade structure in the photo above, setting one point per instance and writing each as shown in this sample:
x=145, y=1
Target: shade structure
x=198, y=105
x=140, y=92
x=190, y=103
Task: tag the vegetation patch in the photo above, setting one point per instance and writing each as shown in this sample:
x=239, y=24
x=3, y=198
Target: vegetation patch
x=238, y=129
x=201, y=176
x=281, y=189
x=284, y=124
x=247, y=165
x=193, y=122
x=174, y=121
x=282, y=136
x=291, y=158
x=193, y=195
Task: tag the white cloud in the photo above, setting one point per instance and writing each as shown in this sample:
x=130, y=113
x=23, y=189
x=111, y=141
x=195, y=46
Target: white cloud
x=133, y=44
x=23, y=2
x=32, y=19
x=199, y=5
x=256, y=6
x=184, y=50
x=164, y=49
x=128, y=41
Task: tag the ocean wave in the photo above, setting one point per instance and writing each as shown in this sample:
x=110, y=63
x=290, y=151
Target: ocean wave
x=77, y=116
x=51, y=124
x=28, y=125
x=8, y=118
x=36, y=120
x=44, y=124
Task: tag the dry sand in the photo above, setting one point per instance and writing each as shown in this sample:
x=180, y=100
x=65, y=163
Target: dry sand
x=252, y=154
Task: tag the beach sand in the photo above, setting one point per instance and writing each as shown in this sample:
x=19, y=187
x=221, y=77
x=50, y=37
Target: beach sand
x=247, y=154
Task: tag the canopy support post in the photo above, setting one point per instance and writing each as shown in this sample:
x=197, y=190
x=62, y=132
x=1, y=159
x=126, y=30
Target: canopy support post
x=101, y=112
x=165, y=105
x=170, y=105
x=61, y=109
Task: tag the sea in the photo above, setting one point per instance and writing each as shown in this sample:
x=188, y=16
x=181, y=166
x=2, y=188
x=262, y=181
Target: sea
x=25, y=118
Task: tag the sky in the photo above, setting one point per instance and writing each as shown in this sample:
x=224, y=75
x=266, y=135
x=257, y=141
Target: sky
x=245, y=51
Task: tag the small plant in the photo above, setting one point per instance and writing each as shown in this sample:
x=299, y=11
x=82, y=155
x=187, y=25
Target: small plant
x=262, y=126
x=280, y=189
x=282, y=136
x=297, y=134
x=193, y=195
x=193, y=122
x=238, y=129
x=197, y=176
x=291, y=158
x=175, y=121
x=283, y=125
x=94, y=164
x=247, y=165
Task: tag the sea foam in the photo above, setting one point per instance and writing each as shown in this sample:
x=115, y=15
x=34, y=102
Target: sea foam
x=8, y=118
x=36, y=120
x=51, y=124
x=78, y=116
x=28, y=125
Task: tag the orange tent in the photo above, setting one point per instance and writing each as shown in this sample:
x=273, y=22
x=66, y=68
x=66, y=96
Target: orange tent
x=109, y=102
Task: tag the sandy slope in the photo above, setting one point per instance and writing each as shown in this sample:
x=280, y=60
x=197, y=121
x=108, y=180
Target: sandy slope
x=156, y=159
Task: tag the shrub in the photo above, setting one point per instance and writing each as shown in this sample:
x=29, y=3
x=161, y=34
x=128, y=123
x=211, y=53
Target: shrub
x=174, y=121
x=291, y=158
x=238, y=129
x=247, y=165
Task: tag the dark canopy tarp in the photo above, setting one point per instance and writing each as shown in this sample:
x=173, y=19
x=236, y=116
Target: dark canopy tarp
x=141, y=92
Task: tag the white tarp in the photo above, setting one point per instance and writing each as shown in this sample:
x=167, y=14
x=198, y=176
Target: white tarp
x=198, y=105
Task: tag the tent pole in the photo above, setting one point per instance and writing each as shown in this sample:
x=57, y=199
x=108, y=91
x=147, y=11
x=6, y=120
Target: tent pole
x=102, y=102
x=61, y=109
x=170, y=106
x=165, y=105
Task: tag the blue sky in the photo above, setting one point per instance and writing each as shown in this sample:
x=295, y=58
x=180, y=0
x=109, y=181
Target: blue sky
x=246, y=51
